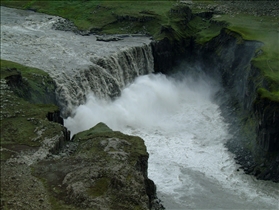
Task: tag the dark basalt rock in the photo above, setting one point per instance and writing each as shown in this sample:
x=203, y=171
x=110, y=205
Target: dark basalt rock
x=55, y=117
x=164, y=56
x=108, y=38
x=254, y=120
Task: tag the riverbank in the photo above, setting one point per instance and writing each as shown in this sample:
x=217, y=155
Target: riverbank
x=253, y=92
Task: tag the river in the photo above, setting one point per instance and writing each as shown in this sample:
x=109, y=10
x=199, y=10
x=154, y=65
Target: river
x=185, y=134
x=178, y=119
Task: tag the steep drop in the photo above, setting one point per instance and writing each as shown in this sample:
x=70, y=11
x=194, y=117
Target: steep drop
x=185, y=136
x=78, y=64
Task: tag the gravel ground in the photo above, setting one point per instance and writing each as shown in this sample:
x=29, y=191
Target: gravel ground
x=257, y=8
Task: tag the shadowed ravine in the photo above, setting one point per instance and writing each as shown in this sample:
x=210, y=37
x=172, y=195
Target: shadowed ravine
x=177, y=116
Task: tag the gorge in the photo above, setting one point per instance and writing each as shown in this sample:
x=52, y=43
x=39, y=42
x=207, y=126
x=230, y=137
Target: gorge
x=185, y=138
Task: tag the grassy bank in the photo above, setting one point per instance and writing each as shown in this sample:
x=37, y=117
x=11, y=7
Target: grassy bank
x=266, y=30
x=162, y=19
x=23, y=114
x=111, y=17
x=159, y=19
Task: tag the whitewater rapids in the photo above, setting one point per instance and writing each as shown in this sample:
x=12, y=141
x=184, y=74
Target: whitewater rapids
x=78, y=64
x=185, y=134
x=181, y=125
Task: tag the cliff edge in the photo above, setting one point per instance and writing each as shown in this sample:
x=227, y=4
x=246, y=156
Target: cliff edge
x=42, y=168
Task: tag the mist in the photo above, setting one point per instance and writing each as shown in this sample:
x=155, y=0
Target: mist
x=143, y=104
x=185, y=133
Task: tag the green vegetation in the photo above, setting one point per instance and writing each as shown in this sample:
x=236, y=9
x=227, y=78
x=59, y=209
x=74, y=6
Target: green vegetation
x=100, y=187
x=159, y=19
x=91, y=138
x=266, y=30
x=162, y=19
x=112, y=17
x=31, y=84
x=23, y=124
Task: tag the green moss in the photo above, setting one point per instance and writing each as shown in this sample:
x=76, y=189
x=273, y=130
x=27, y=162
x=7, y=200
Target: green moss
x=54, y=195
x=100, y=128
x=265, y=30
x=91, y=147
x=6, y=154
x=31, y=84
x=26, y=71
x=265, y=94
x=203, y=30
x=99, y=187
x=22, y=122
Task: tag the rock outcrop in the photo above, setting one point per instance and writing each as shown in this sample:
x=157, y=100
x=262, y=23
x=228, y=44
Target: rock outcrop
x=253, y=118
x=107, y=170
x=42, y=169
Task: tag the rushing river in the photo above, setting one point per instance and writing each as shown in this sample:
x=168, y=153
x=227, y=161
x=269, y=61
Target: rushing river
x=178, y=119
x=185, y=134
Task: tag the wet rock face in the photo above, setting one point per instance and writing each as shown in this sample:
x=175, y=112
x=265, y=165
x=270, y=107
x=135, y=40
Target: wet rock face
x=254, y=121
x=164, y=56
x=267, y=130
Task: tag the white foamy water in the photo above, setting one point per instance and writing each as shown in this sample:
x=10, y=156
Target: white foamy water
x=77, y=64
x=185, y=135
x=182, y=127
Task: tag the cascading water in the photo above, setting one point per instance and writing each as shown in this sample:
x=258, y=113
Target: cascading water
x=185, y=135
x=78, y=64
x=178, y=119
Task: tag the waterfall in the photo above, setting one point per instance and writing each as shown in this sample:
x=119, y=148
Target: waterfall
x=78, y=64
x=105, y=77
x=184, y=132
x=177, y=117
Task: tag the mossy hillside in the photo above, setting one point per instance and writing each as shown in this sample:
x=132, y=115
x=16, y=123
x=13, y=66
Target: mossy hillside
x=154, y=18
x=266, y=30
x=104, y=16
x=31, y=84
x=23, y=124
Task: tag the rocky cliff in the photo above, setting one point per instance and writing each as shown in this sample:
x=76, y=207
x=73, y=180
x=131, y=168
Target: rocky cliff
x=41, y=168
x=101, y=169
x=253, y=117
x=254, y=122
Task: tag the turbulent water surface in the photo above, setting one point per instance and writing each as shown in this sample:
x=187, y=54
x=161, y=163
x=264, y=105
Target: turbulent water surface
x=178, y=119
x=185, y=135
x=78, y=64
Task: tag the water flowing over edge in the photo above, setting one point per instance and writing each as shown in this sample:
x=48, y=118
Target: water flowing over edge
x=78, y=64
x=191, y=168
x=185, y=135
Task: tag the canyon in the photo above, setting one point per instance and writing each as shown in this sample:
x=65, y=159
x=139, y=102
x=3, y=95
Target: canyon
x=83, y=65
